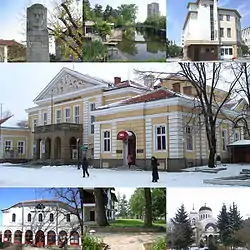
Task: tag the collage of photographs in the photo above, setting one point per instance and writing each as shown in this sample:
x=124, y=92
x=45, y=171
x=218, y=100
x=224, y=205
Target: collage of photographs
x=124, y=125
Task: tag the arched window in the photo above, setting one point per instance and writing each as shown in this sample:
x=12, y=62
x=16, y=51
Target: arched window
x=40, y=217
x=29, y=218
x=13, y=217
x=51, y=217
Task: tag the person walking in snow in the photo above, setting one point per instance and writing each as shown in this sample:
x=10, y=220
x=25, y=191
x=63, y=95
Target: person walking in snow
x=130, y=160
x=154, y=165
x=85, y=166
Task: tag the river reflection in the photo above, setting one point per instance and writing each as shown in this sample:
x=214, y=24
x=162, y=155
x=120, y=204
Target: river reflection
x=140, y=45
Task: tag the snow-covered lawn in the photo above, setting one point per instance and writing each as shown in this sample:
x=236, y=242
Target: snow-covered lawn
x=69, y=176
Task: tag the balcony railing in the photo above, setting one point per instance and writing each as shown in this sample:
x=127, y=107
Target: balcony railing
x=58, y=127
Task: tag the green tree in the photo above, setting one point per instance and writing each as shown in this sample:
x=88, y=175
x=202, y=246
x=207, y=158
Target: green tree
x=94, y=51
x=98, y=12
x=236, y=223
x=127, y=13
x=103, y=29
x=245, y=50
x=223, y=224
x=136, y=203
x=182, y=232
x=159, y=203
x=123, y=207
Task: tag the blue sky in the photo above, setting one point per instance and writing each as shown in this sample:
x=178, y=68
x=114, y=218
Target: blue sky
x=11, y=196
x=177, y=11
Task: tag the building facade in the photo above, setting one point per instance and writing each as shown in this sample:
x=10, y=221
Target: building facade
x=47, y=222
x=153, y=9
x=246, y=36
x=204, y=225
x=14, y=144
x=210, y=32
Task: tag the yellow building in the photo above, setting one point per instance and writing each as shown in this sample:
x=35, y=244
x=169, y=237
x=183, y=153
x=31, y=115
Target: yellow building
x=14, y=144
x=159, y=123
x=61, y=122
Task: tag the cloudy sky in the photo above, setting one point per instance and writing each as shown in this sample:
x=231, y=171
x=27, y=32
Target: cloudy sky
x=177, y=12
x=22, y=82
x=13, y=17
x=212, y=197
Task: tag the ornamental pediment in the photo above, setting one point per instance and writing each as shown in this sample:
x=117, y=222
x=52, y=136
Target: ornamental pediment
x=66, y=82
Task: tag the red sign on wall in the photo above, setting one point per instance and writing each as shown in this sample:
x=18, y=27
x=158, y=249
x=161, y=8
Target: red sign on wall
x=122, y=135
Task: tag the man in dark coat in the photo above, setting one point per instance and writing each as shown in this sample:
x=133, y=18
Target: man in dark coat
x=154, y=165
x=85, y=165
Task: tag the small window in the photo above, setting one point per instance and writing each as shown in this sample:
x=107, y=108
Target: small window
x=222, y=32
x=189, y=138
x=77, y=114
x=51, y=217
x=92, y=130
x=34, y=123
x=229, y=32
x=228, y=18
x=8, y=145
x=106, y=141
x=92, y=106
x=40, y=217
x=45, y=118
x=67, y=115
x=221, y=17
x=187, y=90
x=20, y=147
x=176, y=87
x=29, y=218
x=230, y=51
x=58, y=116
x=160, y=132
x=13, y=217
x=68, y=217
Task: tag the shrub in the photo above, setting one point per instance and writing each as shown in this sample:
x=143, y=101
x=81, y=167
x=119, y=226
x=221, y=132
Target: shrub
x=91, y=243
x=160, y=244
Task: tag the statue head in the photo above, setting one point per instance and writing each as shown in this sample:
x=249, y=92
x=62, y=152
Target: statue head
x=37, y=17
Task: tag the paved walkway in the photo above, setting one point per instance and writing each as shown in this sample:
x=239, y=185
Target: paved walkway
x=128, y=241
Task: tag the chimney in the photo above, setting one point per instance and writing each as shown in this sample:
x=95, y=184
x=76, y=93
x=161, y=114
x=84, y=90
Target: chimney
x=117, y=80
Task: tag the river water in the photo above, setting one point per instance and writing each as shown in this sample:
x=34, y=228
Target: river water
x=139, y=46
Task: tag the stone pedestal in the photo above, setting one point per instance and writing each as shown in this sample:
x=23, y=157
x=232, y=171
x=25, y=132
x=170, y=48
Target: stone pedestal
x=37, y=34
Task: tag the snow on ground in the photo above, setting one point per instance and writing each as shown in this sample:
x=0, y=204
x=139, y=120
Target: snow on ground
x=69, y=176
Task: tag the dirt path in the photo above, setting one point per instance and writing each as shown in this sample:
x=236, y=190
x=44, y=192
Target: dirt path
x=128, y=241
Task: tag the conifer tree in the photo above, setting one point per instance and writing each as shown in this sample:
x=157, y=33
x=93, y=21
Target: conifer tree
x=182, y=234
x=223, y=224
x=236, y=223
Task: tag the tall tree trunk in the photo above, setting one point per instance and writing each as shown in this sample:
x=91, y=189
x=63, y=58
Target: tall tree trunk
x=148, y=208
x=81, y=221
x=100, y=203
x=211, y=136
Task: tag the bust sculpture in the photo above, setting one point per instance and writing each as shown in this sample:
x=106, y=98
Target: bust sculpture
x=36, y=17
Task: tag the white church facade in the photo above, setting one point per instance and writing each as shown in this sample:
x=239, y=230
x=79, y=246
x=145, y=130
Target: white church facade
x=48, y=222
x=203, y=224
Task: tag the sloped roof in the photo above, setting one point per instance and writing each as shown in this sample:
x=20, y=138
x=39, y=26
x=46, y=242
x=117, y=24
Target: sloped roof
x=43, y=201
x=9, y=43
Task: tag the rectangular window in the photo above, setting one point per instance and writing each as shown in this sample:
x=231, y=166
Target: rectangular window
x=92, y=129
x=189, y=138
x=106, y=141
x=221, y=32
x=8, y=145
x=229, y=32
x=77, y=114
x=45, y=118
x=68, y=217
x=224, y=139
x=160, y=132
x=221, y=17
x=58, y=116
x=20, y=147
x=92, y=106
x=67, y=115
x=34, y=123
x=236, y=136
x=228, y=18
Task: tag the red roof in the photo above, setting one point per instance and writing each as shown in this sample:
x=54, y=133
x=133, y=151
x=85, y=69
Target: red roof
x=150, y=96
x=9, y=42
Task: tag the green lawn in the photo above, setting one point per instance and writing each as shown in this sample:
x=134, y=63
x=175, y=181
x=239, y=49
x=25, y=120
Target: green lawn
x=133, y=223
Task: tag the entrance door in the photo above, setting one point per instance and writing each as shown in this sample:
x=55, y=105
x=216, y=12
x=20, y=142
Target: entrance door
x=92, y=215
x=40, y=242
x=196, y=53
x=132, y=147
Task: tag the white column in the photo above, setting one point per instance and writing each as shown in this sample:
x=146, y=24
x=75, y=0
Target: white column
x=114, y=139
x=23, y=237
x=176, y=135
x=49, y=115
x=1, y=145
x=12, y=236
x=40, y=118
x=148, y=136
x=5, y=54
x=97, y=141
x=86, y=122
x=216, y=21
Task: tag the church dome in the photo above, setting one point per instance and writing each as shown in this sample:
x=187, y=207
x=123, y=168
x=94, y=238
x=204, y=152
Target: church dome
x=205, y=208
